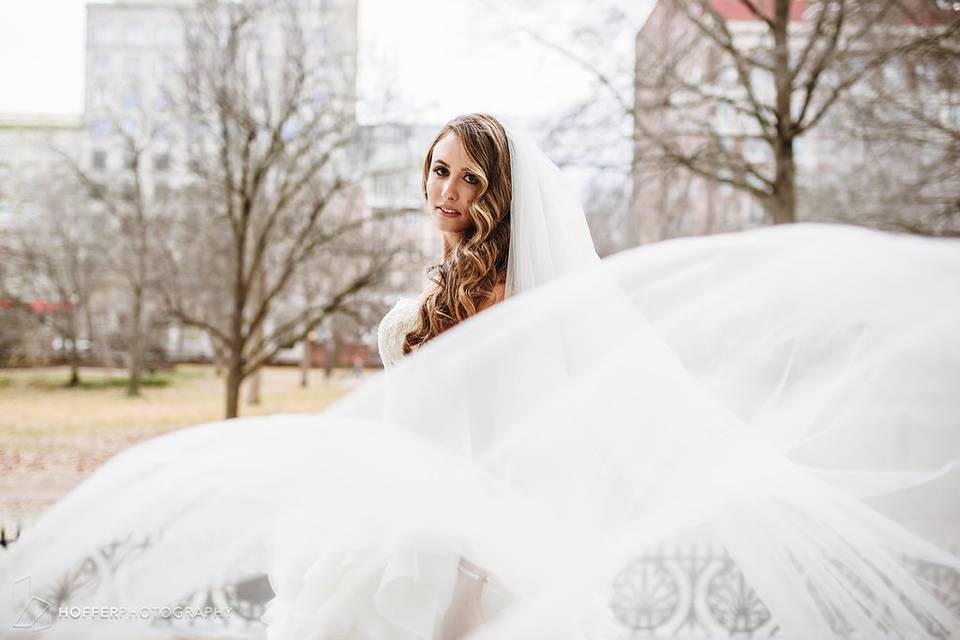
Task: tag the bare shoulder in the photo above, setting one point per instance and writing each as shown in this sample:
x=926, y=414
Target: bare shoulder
x=499, y=293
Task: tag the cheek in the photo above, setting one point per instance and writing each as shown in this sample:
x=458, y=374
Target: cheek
x=473, y=193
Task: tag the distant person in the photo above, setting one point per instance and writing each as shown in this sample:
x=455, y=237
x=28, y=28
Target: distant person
x=357, y=366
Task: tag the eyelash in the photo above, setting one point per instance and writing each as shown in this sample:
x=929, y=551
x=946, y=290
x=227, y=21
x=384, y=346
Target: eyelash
x=468, y=176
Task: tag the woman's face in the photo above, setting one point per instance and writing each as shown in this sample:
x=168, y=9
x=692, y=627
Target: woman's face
x=451, y=187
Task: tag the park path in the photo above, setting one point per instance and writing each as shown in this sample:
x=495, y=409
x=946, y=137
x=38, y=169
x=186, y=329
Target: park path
x=33, y=479
x=51, y=438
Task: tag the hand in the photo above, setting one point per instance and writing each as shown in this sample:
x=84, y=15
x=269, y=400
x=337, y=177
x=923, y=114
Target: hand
x=464, y=614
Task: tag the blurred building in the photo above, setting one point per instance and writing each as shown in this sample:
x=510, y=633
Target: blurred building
x=839, y=179
x=31, y=150
x=136, y=51
x=391, y=155
x=388, y=157
x=669, y=201
x=137, y=48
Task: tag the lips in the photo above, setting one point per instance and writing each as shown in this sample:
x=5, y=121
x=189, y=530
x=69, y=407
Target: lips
x=448, y=213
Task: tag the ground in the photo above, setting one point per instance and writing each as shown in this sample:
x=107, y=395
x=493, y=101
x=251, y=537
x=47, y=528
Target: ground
x=51, y=436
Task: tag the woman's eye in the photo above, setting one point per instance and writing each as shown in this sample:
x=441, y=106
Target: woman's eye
x=440, y=171
x=472, y=179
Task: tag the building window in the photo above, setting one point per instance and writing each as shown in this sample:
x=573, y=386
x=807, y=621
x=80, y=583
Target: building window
x=100, y=127
x=102, y=34
x=167, y=35
x=161, y=162
x=382, y=186
x=135, y=33
x=321, y=97
x=99, y=160
x=131, y=98
x=101, y=64
x=165, y=67
x=98, y=95
x=131, y=127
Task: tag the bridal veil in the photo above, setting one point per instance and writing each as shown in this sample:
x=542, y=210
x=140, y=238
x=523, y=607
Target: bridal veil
x=788, y=395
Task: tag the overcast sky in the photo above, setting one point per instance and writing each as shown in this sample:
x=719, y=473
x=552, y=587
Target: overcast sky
x=435, y=59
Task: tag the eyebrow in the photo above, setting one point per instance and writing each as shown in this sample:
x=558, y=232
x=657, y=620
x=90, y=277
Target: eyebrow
x=438, y=161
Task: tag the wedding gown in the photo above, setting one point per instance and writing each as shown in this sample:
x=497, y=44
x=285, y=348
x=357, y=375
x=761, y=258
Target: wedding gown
x=787, y=396
x=839, y=354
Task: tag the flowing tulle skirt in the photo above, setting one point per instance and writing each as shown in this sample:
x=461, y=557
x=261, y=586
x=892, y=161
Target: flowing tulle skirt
x=787, y=398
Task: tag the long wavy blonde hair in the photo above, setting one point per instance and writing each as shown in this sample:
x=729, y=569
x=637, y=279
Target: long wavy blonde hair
x=468, y=274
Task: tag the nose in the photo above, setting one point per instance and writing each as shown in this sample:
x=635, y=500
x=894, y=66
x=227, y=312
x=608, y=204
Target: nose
x=449, y=191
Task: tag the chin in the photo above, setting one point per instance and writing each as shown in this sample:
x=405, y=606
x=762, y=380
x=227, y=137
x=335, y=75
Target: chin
x=444, y=224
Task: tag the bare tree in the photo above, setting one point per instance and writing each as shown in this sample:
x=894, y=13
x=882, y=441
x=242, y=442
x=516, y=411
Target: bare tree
x=267, y=125
x=761, y=92
x=18, y=322
x=132, y=212
x=61, y=253
x=902, y=125
x=728, y=106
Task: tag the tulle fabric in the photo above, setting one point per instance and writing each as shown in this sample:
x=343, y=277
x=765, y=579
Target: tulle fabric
x=789, y=393
x=549, y=236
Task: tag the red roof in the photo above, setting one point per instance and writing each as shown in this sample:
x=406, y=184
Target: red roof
x=913, y=12
x=738, y=9
x=42, y=306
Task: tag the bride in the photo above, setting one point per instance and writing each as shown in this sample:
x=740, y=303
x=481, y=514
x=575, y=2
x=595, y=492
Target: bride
x=467, y=185
x=786, y=394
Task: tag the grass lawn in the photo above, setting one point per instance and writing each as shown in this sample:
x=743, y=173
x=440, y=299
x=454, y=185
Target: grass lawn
x=52, y=436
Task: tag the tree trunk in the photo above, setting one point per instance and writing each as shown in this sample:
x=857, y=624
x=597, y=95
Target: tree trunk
x=253, y=389
x=234, y=350
x=217, y=360
x=234, y=378
x=74, y=355
x=331, y=356
x=74, y=365
x=305, y=364
x=136, y=343
x=783, y=204
x=91, y=334
x=253, y=392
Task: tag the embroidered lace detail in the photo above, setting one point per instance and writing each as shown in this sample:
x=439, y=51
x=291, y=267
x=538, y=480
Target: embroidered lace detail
x=398, y=322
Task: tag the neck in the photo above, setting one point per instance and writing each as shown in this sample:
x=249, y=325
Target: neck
x=450, y=241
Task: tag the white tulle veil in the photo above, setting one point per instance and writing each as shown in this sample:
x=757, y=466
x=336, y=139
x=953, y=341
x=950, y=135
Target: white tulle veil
x=785, y=396
x=549, y=236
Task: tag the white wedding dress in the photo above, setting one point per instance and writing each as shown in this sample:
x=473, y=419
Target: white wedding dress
x=355, y=588
x=399, y=321
x=786, y=395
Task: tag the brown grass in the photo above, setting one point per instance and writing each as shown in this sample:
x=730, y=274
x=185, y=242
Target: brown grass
x=51, y=436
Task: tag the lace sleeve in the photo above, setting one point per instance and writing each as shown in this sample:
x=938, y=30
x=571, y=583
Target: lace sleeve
x=398, y=322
